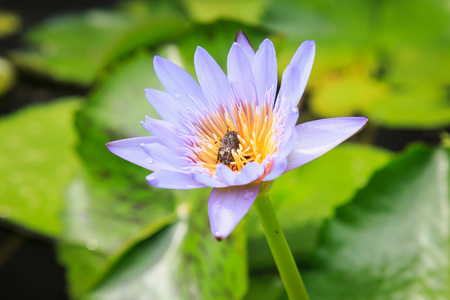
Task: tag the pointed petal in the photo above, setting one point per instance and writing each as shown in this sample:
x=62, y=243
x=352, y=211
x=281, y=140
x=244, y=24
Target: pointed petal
x=165, y=131
x=240, y=74
x=168, y=108
x=296, y=74
x=243, y=41
x=212, y=79
x=178, y=82
x=130, y=149
x=165, y=179
x=278, y=168
x=228, y=206
x=265, y=71
x=290, y=87
x=318, y=137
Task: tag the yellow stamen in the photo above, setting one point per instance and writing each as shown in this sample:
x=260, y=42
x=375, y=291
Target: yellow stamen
x=256, y=134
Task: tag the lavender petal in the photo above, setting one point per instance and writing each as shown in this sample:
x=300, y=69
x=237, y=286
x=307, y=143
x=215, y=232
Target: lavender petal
x=178, y=82
x=227, y=207
x=213, y=81
x=130, y=149
x=265, y=71
x=296, y=74
x=317, y=137
x=165, y=179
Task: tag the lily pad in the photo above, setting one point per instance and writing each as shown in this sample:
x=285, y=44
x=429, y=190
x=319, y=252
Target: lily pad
x=63, y=47
x=182, y=262
x=305, y=197
x=423, y=106
x=391, y=241
x=37, y=162
x=244, y=11
x=114, y=111
x=102, y=220
x=111, y=207
x=348, y=92
x=403, y=78
x=416, y=54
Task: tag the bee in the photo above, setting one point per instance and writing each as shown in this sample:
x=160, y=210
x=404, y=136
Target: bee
x=228, y=143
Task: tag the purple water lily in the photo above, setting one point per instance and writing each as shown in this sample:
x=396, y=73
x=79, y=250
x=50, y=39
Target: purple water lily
x=231, y=132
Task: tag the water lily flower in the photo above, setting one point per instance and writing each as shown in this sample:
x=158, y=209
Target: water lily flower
x=231, y=132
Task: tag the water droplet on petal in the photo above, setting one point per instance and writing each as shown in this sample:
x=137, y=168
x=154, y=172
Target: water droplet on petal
x=149, y=160
x=294, y=109
x=177, y=95
x=248, y=195
x=151, y=177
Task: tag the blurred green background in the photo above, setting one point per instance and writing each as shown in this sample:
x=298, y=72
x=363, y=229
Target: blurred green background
x=368, y=220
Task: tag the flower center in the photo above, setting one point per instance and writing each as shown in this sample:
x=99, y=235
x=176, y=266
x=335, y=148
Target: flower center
x=253, y=140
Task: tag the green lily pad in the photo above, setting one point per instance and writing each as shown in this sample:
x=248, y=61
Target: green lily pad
x=64, y=47
x=111, y=207
x=391, y=241
x=114, y=111
x=103, y=220
x=347, y=94
x=37, y=162
x=403, y=66
x=340, y=29
x=412, y=106
x=182, y=262
x=244, y=11
x=416, y=54
x=305, y=197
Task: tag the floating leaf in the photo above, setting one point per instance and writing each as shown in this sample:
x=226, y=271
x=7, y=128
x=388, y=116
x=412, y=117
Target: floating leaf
x=37, y=162
x=245, y=11
x=303, y=198
x=391, y=241
x=103, y=220
x=182, y=262
x=412, y=106
x=403, y=78
x=340, y=29
x=64, y=45
x=415, y=53
x=111, y=207
x=347, y=93
x=113, y=111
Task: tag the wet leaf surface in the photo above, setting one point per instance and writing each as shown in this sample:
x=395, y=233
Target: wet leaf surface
x=37, y=161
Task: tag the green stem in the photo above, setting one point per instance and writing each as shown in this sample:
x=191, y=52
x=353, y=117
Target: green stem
x=280, y=250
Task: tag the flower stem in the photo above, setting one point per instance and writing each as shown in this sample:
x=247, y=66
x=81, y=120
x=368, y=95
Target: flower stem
x=280, y=250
